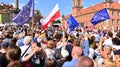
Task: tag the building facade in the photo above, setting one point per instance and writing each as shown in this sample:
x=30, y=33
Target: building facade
x=84, y=15
x=5, y=13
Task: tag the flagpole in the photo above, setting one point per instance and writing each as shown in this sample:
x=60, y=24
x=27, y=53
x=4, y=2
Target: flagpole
x=33, y=21
x=33, y=26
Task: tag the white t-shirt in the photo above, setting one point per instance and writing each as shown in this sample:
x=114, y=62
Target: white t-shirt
x=108, y=42
x=50, y=53
x=23, y=49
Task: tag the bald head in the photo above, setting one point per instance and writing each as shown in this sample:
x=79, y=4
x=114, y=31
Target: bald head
x=76, y=52
x=85, y=61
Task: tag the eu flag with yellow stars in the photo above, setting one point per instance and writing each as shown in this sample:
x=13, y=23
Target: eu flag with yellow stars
x=25, y=14
x=100, y=16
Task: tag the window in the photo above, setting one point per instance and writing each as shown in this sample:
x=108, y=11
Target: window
x=78, y=2
x=118, y=13
x=118, y=22
x=112, y=12
x=113, y=21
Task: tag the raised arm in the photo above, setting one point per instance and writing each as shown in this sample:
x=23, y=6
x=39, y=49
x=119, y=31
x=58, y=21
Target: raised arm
x=100, y=49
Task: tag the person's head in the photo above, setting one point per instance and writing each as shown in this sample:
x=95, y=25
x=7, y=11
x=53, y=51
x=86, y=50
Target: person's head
x=76, y=52
x=107, y=49
x=13, y=41
x=116, y=41
x=118, y=34
x=4, y=45
x=27, y=40
x=85, y=61
x=91, y=40
x=108, y=63
x=96, y=43
x=13, y=55
x=51, y=63
x=110, y=34
x=50, y=44
x=76, y=42
x=117, y=54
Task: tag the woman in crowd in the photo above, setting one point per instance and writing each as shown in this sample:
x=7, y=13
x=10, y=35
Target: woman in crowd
x=3, y=60
x=51, y=63
x=108, y=63
x=13, y=55
x=50, y=50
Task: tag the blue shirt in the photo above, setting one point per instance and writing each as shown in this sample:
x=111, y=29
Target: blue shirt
x=72, y=63
x=86, y=47
x=20, y=42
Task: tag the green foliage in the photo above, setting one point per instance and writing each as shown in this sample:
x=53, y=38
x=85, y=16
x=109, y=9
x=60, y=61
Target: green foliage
x=108, y=0
x=58, y=21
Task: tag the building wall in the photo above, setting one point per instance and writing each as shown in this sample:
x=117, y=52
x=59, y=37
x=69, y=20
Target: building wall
x=4, y=18
x=84, y=19
x=0, y=18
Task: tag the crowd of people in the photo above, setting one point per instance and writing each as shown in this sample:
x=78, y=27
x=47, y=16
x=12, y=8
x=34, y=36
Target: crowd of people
x=53, y=47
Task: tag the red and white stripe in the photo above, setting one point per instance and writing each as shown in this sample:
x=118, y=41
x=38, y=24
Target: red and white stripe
x=54, y=14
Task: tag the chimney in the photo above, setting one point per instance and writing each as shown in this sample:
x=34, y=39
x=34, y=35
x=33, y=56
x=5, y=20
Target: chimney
x=16, y=4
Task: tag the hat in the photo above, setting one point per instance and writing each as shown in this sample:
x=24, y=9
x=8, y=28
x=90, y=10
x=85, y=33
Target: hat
x=5, y=44
x=64, y=53
x=27, y=40
x=117, y=52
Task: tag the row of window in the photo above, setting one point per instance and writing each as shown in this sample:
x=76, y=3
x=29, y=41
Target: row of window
x=113, y=21
x=113, y=13
x=105, y=22
x=89, y=15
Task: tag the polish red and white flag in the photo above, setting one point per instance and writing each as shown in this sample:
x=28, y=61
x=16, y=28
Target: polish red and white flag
x=54, y=14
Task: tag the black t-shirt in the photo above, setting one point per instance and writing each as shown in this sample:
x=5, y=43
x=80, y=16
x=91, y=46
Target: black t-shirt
x=3, y=60
x=37, y=60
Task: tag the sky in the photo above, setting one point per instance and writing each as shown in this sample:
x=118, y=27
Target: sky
x=45, y=6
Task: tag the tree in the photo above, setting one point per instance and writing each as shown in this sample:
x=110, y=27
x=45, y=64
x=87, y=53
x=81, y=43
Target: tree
x=108, y=0
x=58, y=21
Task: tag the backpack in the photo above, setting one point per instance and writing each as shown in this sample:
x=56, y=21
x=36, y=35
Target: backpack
x=58, y=54
x=38, y=60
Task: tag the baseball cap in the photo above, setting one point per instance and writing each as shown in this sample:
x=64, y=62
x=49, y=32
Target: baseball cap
x=5, y=44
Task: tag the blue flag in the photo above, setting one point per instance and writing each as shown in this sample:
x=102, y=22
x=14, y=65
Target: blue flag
x=100, y=16
x=72, y=23
x=25, y=14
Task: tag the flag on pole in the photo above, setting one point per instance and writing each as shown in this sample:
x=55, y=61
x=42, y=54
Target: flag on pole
x=100, y=16
x=72, y=23
x=54, y=14
x=25, y=14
